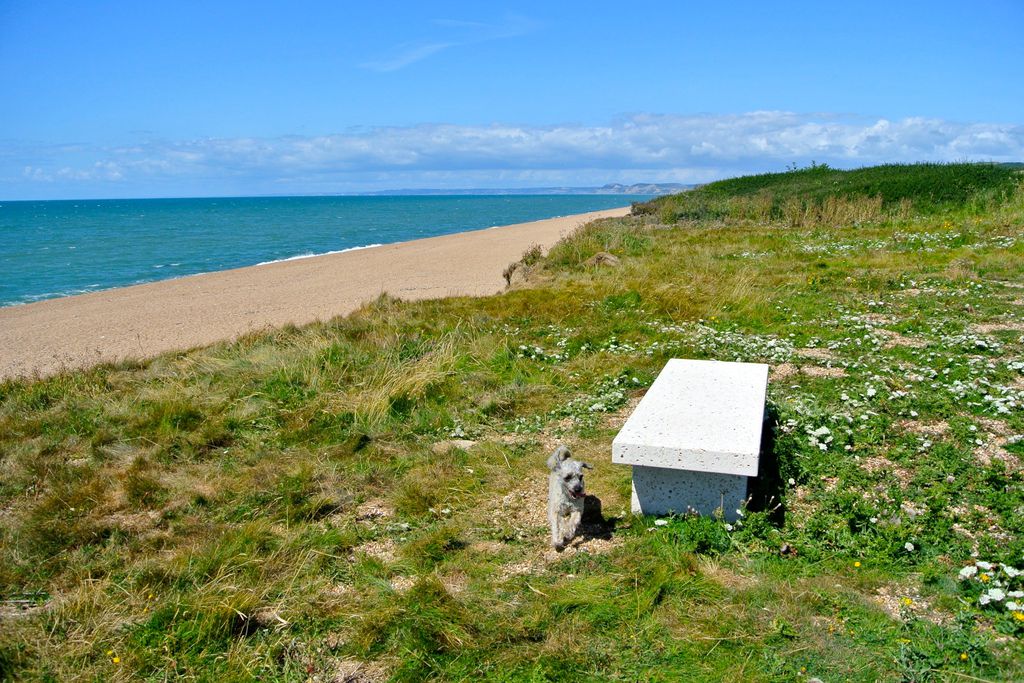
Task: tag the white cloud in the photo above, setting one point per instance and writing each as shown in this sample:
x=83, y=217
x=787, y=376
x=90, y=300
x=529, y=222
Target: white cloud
x=644, y=147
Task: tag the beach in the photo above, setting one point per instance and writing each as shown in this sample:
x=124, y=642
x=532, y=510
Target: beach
x=143, y=321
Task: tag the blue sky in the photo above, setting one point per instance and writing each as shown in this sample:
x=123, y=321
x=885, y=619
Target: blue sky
x=140, y=99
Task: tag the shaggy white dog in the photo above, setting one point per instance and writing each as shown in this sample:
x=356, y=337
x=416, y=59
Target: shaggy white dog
x=565, y=496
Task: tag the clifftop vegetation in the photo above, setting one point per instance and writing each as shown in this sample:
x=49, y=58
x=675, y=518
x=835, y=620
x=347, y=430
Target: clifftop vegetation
x=364, y=499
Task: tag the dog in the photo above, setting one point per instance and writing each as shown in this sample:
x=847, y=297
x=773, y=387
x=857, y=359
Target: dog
x=565, y=496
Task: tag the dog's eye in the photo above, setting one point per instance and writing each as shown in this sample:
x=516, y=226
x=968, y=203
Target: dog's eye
x=568, y=477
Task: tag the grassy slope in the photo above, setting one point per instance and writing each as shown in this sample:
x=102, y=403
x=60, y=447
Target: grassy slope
x=293, y=506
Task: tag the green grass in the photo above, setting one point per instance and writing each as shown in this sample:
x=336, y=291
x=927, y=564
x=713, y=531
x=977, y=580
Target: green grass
x=845, y=196
x=368, y=494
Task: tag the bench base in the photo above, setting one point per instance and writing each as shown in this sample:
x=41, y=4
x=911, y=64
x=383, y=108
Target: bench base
x=661, y=491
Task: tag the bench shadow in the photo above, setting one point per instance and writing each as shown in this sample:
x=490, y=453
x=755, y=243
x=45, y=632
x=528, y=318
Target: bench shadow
x=766, y=489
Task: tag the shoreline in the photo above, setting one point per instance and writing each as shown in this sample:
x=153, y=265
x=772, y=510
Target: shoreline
x=142, y=321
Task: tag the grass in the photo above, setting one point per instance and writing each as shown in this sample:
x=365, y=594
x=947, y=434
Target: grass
x=820, y=195
x=365, y=497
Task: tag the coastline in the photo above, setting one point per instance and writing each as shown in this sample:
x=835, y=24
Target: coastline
x=143, y=321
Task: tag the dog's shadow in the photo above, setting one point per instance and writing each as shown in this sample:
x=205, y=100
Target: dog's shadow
x=593, y=523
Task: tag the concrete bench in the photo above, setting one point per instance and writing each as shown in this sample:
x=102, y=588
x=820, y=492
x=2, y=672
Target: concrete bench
x=695, y=438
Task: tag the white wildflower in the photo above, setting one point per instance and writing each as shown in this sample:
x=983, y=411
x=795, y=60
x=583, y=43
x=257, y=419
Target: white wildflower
x=968, y=571
x=909, y=546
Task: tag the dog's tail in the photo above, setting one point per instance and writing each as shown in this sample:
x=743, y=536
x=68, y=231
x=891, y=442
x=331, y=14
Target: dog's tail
x=555, y=459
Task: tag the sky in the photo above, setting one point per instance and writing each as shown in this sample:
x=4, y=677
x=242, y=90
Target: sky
x=223, y=97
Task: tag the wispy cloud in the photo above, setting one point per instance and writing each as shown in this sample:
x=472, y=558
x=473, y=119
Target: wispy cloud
x=644, y=147
x=405, y=55
x=455, y=33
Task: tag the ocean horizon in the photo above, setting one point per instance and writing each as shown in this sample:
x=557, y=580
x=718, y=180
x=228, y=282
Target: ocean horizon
x=56, y=248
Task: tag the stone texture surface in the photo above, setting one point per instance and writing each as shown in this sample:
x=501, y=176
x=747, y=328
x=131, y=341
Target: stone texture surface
x=704, y=416
x=660, y=491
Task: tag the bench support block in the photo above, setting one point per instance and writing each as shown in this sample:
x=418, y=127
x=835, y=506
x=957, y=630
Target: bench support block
x=660, y=491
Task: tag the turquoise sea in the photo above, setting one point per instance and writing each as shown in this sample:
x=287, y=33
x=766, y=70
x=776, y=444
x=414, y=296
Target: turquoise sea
x=50, y=249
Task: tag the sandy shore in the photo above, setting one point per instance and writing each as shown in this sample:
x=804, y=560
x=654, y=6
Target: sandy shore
x=147, y=320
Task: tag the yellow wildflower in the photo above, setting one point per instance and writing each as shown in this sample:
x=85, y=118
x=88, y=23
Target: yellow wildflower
x=1019, y=616
x=857, y=564
x=984, y=578
x=963, y=656
x=110, y=652
x=117, y=660
x=906, y=602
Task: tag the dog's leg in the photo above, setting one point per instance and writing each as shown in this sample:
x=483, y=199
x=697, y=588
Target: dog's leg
x=554, y=513
x=574, y=521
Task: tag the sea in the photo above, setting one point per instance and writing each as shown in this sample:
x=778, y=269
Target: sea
x=52, y=249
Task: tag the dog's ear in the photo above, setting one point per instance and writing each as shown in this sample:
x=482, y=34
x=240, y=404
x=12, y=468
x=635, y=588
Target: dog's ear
x=555, y=459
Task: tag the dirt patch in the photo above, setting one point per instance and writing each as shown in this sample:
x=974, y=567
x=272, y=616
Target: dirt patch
x=898, y=601
x=819, y=353
x=879, y=319
x=997, y=427
x=893, y=339
x=617, y=419
x=340, y=590
x=1002, y=326
x=354, y=671
x=882, y=464
x=487, y=547
x=455, y=583
x=525, y=508
x=818, y=371
x=781, y=372
x=786, y=370
x=992, y=450
x=373, y=510
x=911, y=291
x=401, y=584
x=933, y=429
x=445, y=446
x=382, y=550
x=996, y=435
x=135, y=522
x=537, y=561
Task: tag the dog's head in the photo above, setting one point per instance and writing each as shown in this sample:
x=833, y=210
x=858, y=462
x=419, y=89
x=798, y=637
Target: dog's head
x=569, y=472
